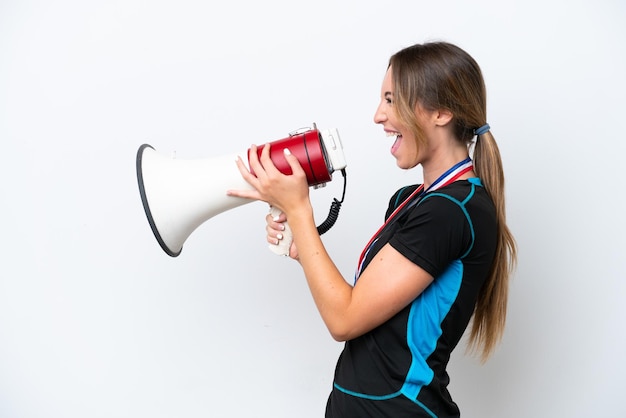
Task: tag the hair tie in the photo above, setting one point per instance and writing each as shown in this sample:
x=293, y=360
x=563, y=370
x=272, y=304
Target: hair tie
x=482, y=130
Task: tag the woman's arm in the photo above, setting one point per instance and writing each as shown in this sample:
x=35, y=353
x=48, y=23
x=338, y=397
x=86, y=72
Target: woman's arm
x=388, y=284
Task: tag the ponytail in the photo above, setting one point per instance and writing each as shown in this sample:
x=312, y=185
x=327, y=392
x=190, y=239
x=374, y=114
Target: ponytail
x=490, y=313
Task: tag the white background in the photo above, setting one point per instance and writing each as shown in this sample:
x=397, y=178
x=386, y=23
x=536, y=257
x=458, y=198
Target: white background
x=96, y=321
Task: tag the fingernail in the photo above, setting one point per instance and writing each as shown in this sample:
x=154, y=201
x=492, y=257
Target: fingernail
x=286, y=151
x=279, y=236
x=276, y=218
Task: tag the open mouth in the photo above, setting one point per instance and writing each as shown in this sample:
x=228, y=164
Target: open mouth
x=396, y=143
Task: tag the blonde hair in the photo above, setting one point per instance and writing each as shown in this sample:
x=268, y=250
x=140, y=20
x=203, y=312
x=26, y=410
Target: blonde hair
x=440, y=75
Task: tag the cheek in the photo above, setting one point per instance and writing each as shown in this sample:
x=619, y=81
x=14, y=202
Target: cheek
x=412, y=151
x=391, y=115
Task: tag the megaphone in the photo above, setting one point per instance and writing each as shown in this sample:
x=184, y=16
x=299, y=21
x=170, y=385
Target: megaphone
x=179, y=195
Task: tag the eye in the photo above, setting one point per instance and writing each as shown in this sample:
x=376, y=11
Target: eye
x=388, y=98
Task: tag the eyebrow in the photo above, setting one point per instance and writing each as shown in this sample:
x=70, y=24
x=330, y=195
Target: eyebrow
x=388, y=93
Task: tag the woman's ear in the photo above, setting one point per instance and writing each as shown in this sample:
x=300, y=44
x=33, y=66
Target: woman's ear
x=442, y=117
x=437, y=117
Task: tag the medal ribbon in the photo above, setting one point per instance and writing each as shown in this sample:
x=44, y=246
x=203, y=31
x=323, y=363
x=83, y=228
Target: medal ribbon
x=450, y=176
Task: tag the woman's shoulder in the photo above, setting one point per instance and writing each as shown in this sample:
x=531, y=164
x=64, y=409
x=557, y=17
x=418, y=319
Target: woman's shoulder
x=400, y=196
x=469, y=194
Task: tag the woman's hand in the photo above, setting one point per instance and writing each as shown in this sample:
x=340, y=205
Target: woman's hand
x=275, y=227
x=285, y=192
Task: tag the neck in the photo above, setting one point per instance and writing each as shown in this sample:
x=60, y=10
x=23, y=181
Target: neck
x=435, y=167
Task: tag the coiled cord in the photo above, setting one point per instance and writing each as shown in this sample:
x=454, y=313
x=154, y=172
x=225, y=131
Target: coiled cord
x=335, y=206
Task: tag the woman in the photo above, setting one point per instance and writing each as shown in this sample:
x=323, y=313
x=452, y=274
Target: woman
x=443, y=256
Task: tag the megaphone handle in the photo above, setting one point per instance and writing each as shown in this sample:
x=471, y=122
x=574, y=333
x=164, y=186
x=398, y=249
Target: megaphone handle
x=282, y=248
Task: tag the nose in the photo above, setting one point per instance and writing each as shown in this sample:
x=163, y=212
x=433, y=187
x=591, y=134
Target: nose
x=379, y=115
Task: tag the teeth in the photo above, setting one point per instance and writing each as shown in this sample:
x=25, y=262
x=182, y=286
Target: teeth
x=393, y=134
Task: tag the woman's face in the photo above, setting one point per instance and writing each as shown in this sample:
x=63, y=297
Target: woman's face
x=404, y=148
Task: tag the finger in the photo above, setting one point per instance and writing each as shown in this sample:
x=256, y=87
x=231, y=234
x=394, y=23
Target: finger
x=243, y=169
x=274, y=227
x=274, y=235
x=266, y=160
x=273, y=240
x=249, y=178
x=294, y=163
x=256, y=166
x=246, y=194
x=265, y=152
x=277, y=219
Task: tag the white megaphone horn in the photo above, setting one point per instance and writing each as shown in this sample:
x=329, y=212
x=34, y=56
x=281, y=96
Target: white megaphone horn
x=180, y=195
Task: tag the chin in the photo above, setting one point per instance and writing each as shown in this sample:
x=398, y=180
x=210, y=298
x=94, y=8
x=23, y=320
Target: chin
x=405, y=165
